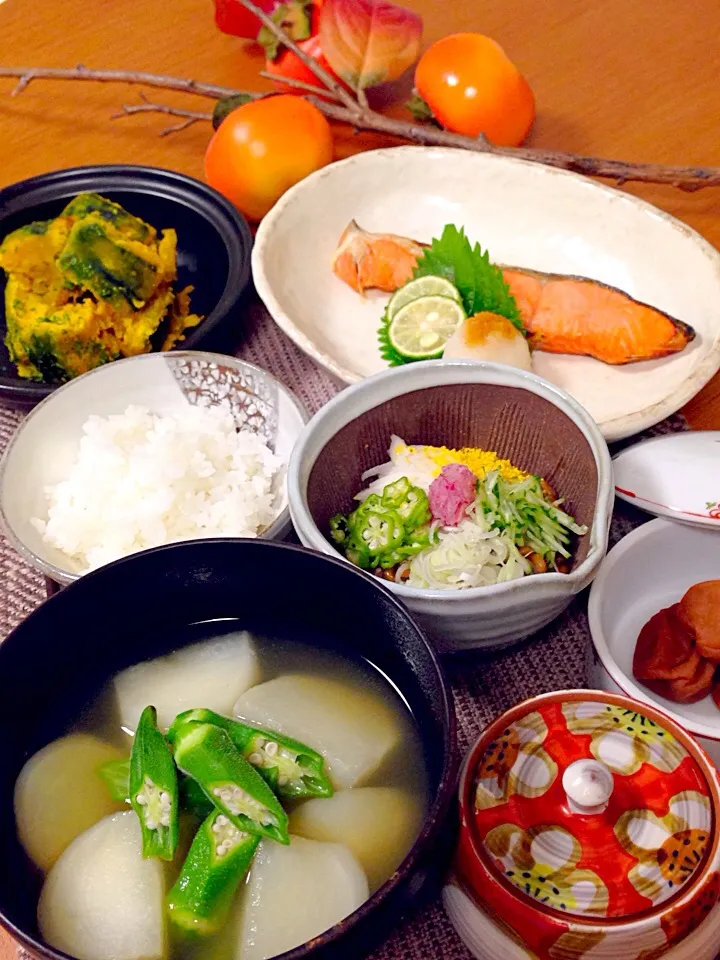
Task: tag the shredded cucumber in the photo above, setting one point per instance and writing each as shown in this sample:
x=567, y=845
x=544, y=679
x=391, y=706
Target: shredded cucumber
x=484, y=548
x=521, y=510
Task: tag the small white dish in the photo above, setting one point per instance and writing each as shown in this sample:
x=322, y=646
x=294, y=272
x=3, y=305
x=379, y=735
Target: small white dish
x=526, y=215
x=676, y=476
x=650, y=569
x=44, y=447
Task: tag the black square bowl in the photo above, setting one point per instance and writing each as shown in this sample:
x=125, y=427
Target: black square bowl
x=213, y=254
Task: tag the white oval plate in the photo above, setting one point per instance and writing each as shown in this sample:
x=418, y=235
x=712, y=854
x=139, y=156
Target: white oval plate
x=526, y=215
x=676, y=476
x=648, y=570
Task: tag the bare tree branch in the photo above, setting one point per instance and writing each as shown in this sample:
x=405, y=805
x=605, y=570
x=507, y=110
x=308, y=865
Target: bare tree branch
x=683, y=177
x=300, y=84
x=28, y=74
x=177, y=127
x=191, y=116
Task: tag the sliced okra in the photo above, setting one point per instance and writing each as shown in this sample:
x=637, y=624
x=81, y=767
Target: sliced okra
x=207, y=754
x=193, y=799
x=116, y=776
x=154, y=788
x=218, y=859
x=291, y=768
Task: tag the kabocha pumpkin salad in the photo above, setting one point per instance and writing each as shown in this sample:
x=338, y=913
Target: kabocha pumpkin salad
x=93, y=285
x=443, y=519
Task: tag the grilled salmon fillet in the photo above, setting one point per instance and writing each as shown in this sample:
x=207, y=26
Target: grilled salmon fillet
x=585, y=317
x=561, y=314
x=375, y=261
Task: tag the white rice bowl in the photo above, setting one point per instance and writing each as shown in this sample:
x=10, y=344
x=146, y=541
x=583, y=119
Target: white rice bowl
x=142, y=480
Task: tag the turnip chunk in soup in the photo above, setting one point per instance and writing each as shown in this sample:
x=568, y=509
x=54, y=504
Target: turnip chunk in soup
x=47, y=811
x=211, y=674
x=378, y=824
x=354, y=729
x=296, y=893
x=102, y=900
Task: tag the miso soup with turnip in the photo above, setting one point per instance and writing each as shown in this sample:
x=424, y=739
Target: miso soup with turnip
x=229, y=801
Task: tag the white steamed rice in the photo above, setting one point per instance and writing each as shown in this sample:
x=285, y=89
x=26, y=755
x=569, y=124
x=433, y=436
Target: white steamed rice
x=142, y=480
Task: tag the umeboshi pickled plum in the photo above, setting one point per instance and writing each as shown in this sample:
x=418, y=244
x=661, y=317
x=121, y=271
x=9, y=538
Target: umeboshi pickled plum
x=699, y=610
x=663, y=648
x=695, y=686
x=667, y=661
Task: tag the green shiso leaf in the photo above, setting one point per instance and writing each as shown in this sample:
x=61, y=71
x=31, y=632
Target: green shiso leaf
x=479, y=282
x=387, y=351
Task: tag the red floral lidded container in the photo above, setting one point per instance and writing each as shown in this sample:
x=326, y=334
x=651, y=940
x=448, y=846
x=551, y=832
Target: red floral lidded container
x=589, y=829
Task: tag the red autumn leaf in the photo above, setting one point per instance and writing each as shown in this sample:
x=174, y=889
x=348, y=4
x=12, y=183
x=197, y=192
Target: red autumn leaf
x=298, y=18
x=367, y=42
x=289, y=66
x=232, y=17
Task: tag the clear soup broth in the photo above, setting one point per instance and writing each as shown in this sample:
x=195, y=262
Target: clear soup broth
x=263, y=861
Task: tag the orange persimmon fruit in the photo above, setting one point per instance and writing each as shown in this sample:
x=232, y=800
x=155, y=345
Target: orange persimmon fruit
x=263, y=148
x=472, y=87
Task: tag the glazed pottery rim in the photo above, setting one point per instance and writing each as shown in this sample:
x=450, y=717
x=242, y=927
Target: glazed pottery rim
x=444, y=794
x=653, y=507
x=66, y=577
x=201, y=198
x=467, y=824
x=627, y=425
x=439, y=374
x=627, y=684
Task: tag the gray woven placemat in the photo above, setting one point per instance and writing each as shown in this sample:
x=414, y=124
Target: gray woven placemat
x=483, y=686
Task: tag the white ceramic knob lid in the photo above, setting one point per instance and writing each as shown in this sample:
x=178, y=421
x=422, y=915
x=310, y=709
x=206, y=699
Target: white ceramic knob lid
x=588, y=785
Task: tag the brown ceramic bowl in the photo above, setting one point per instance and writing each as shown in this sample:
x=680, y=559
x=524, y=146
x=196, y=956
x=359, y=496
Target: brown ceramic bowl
x=521, y=417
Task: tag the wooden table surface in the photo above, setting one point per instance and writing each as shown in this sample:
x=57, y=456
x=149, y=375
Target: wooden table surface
x=633, y=81
x=629, y=80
